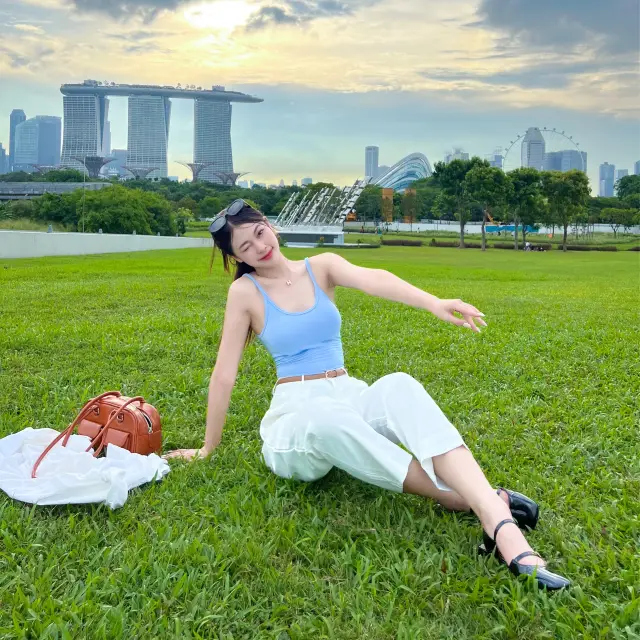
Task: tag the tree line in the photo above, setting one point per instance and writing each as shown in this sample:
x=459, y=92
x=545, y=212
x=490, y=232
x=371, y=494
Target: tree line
x=472, y=190
x=463, y=190
x=143, y=206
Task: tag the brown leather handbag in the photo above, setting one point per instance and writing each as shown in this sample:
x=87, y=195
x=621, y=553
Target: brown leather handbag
x=111, y=418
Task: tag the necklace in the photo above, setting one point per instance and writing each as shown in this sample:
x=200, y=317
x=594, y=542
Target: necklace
x=288, y=283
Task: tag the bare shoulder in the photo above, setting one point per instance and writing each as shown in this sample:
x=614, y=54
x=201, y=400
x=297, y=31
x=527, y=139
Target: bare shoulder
x=326, y=260
x=241, y=292
x=323, y=265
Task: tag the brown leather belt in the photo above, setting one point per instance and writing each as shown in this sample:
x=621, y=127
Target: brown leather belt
x=332, y=373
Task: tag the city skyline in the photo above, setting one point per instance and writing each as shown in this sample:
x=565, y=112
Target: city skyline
x=470, y=74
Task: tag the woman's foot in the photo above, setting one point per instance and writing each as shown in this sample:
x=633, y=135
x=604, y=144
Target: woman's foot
x=520, y=561
x=523, y=509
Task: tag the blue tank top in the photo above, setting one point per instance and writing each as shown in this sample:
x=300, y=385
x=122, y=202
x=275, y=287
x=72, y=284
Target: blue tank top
x=305, y=342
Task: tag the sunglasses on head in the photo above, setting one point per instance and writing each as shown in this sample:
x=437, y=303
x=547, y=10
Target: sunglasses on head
x=221, y=219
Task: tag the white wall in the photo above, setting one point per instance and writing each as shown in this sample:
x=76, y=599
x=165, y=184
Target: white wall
x=470, y=227
x=35, y=244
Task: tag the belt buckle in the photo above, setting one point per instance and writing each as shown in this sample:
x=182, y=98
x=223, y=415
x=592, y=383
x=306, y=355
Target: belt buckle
x=334, y=371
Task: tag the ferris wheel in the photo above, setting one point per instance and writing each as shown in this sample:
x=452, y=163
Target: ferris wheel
x=544, y=148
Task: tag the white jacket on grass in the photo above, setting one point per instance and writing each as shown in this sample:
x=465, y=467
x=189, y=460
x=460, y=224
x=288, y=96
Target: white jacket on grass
x=69, y=475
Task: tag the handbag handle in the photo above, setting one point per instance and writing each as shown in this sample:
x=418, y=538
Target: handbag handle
x=66, y=434
x=114, y=414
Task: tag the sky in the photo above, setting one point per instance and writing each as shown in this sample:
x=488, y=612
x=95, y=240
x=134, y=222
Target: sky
x=338, y=75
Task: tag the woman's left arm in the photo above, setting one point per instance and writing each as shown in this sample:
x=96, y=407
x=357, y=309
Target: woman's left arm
x=383, y=284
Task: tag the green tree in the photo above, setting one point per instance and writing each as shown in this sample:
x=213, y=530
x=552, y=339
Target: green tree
x=450, y=177
x=627, y=186
x=410, y=206
x=397, y=206
x=632, y=201
x=525, y=199
x=317, y=186
x=443, y=206
x=209, y=207
x=63, y=175
x=17, y=176
x=162, y=219
x=369, y=204
x=427, y=190
x=617, y=218
x=490, y=188
x=187, y=202
x=567, y=196
x=61, y=208
x=183, y=217
x=15, y=209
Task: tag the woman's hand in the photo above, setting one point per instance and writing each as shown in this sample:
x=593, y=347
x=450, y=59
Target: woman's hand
x=188, y=454
x=445, y=310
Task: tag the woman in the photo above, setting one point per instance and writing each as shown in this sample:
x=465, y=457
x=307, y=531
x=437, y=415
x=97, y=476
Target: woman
x=320, y=417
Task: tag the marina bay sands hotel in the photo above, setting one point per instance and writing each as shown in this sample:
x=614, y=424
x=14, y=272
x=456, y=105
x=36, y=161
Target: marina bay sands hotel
x=86, y=110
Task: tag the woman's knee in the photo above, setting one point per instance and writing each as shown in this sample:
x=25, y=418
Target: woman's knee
x=398, y=383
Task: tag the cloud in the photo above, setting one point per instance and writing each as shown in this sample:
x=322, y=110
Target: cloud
x=139, y=36
x=146, y=10
x=20, y=60
x=297, y=12
x=278, y=12
x=612, y=26
x=545, y=75
x=30, y=28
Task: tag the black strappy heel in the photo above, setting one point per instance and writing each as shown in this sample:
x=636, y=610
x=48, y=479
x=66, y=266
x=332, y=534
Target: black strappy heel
x=543, y=577
x=523, y=509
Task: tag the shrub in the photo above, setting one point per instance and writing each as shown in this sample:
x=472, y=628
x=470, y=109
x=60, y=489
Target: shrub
x=455, y=244
x=402, y=242
x=547, y=246
x=637, y=248
x=443, y=243
x=583, y=247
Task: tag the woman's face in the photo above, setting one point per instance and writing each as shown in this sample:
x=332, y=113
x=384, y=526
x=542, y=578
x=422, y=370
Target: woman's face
x=255, y=244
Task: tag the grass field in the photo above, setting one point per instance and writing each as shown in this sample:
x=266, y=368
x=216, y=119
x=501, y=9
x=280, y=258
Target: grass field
x=546, y=397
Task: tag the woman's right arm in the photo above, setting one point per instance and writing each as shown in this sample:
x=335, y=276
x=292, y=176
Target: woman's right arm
x=237, y=322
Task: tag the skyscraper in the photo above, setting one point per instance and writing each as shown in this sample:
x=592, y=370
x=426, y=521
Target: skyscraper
x=148, y=134
x=86, y=131
x=565, y=160
x=306, y=181
x=107, y=139
x=496, y=159
x=607, y=173
x=17, y=116
x=37, y=142
x=212, y=137
x=371, y=155
x=636, y=168
x=4, y=160
x=294, y=183
x=621, y=173
x=533, y=149
x=456, y=154
x=85, y=121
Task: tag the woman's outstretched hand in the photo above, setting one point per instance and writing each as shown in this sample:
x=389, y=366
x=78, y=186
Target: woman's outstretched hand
x=445, y=310
x=187, y=454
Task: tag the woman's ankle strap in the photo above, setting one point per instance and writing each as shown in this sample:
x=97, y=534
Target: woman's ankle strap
x=501, y=524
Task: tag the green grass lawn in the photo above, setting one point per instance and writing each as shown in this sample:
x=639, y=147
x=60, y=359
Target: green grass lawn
x=546, y=397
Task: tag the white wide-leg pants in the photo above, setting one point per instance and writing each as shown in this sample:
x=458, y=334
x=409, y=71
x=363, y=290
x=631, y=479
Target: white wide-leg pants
x=314, y=425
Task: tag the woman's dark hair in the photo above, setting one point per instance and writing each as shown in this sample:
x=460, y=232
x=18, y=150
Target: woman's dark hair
x=222, y=242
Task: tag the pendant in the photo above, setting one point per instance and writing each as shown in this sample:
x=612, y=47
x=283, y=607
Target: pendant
x=288, y=283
